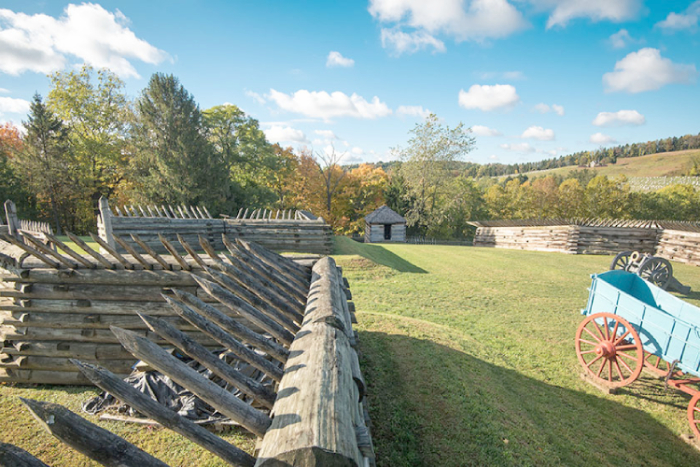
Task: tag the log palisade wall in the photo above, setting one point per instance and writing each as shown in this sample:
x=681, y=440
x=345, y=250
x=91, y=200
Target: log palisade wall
x=677, y=241
x=293, y=231
x=314, y=417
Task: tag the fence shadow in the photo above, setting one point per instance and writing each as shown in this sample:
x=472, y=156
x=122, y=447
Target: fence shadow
x=377, y=253
x=433, y=405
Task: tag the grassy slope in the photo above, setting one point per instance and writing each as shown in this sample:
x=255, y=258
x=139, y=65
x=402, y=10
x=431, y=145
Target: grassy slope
x=656, y=165
x=468, y=353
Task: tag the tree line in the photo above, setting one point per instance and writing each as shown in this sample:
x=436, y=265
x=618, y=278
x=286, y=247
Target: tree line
x=87, y=139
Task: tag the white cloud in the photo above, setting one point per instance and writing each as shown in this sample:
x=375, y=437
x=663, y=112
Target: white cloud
x=43, y=44
x=400, y=42
x=255, y=96
x=328, y=134
x=544, y=108
x=619, y=118
x=335, y=59
x=4, y=91
x=463, y=20
x=537, y=132
x=622, y=39
x=493, y=157
x=279, y=134
x=600, y=138
x=564, y=11
x=480, y=130
x=678, y=21
x=487, y=98
x=412, y=111
x=646, y=70
x=518, y=147
x=320, y=104
x=13, y=106
x=357, y=151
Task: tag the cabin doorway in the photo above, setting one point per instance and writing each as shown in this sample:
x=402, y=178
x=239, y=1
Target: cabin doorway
x=387, y=231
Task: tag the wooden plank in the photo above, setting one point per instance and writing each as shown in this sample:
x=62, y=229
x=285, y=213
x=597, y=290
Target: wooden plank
x=110, y=383
x=253, y=420
x=85, y=437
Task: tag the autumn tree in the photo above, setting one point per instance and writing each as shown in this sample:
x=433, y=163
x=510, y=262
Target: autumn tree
x=12, y=186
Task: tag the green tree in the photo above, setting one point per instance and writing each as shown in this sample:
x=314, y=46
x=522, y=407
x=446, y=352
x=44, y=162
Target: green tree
x=11, y=184
x=250, y=161
x=427, y=164
x=174, y=161
x=45, y=163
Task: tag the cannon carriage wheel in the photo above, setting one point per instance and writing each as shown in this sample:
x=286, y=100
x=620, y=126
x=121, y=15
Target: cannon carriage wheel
x=609, y=349
x=621, y=261
x=694, y=415
x=658, y=271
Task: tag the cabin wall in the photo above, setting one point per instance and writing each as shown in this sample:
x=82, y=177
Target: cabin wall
x=374, y=233
x=549, y=238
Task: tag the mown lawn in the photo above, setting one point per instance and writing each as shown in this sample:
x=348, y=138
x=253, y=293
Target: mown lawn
x=468, y=354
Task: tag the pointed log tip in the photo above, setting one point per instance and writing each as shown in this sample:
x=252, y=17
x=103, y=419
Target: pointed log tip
x=122, y=333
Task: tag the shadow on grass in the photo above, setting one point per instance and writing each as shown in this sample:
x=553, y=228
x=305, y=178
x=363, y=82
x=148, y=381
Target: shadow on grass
x=433, y=405
x=376, y=253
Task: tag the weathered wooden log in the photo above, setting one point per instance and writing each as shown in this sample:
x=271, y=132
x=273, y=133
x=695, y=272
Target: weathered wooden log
x=105, y=277
x=246, y=310
x=12, y=456
x=83, y=320
x=96, y=443
x=320, y=404
x=69, y=251
x=239, y=289
x=85, y=351
x=208, y=248
x=31, y=251
x=166, y=417
x=198, y=352
x=24, y=362
x=115, y=254
x=260, y=268
x=253, y=420
x=233, y=327
x=65, y=261
x=88, y=292
x=188, y=248
x=261, y=287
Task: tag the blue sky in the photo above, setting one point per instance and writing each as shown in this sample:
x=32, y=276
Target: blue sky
x=532, y=78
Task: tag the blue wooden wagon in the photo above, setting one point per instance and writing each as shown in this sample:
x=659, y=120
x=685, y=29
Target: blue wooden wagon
x=631, y=324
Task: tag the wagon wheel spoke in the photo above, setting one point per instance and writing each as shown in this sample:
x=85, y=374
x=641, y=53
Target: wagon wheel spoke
x=620, y=370
x=694, y=415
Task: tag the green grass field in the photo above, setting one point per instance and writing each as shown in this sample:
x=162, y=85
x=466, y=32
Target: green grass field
x=469, y=359
x=668, y=164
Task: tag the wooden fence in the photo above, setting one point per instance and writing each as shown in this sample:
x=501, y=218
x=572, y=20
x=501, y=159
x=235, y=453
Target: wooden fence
x=316, y=416
x=293, y=231
x=678, y=241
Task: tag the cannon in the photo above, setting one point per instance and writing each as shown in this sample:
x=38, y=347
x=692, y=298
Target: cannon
x=656, y=270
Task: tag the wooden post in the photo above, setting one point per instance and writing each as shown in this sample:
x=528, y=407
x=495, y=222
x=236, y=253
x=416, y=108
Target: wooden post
x=233, y=327
x=12, y=456
x=96, y=443
x=198, y=352
x=244, y=309
x=106, y=217
x=12, y=219
x=216, y=396
x=323, y=415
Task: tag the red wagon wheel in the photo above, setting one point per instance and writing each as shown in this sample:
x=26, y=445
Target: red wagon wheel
x=694, y=415
x=609, y=350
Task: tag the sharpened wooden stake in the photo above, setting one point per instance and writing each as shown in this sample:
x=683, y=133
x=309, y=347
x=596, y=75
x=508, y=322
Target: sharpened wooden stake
x=12, y=456
x=32, y=251
x=246, y=310
x=292, y=276
x=100, y=259
x=135, y=254
x=124, y=262
x=69, y=251
x=216, y=396
x=254, y=300
x=190, y=251
x=96, y=443
x=109, y=382
x=151, y=252
x=48, y=251
x=173, y=251
x=239, y=350
x=233, y=327
x=208, y=248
